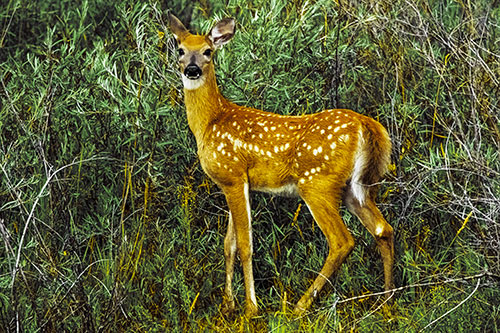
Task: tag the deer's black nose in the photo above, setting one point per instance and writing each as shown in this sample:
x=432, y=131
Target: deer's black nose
x=192, y=72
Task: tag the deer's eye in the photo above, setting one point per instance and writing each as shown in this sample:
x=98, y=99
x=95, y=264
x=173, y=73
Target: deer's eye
x=180, y=52
x=208, y=52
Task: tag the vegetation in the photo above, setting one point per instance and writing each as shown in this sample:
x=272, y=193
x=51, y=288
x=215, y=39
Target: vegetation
x=108, y=222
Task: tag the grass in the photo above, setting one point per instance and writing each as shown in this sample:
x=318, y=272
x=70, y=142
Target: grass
x=108, y=222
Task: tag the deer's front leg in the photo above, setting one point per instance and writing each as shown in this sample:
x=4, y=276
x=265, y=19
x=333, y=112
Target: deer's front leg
x=238, y=200
x=229, y=254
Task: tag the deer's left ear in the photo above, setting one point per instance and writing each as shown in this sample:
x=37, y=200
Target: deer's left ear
x=222, y=32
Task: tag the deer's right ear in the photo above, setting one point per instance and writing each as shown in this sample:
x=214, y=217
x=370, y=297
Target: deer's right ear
x=222, y=32
x=176, y=26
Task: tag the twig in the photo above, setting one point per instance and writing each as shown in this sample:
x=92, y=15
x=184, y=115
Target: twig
x=6, y=239
x=454, y=308
x=57, y=303
x=374, y=310
x=35, y=203
x=5, y=31
x=392, y=291
x=467, y=278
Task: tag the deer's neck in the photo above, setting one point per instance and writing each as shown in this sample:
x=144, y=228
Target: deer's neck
x=203, y=105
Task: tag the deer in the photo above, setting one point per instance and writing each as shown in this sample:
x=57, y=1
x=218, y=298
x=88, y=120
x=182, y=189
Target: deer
x=327, y=158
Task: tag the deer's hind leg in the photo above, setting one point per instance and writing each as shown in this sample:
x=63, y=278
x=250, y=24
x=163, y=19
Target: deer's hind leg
x=340, y=241
x=370, y=216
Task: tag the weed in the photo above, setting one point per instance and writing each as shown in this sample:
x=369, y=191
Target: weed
x=109, y=224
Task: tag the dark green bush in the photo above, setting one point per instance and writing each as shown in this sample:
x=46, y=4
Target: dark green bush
x=109, y=224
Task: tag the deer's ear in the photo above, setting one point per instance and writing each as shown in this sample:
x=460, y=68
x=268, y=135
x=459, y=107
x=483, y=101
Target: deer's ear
x=176, y=26
x=222, y=32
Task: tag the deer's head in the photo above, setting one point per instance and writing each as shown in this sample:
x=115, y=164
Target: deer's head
x=196, y=51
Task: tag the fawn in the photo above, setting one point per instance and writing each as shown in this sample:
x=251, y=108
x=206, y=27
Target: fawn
x=325, y=158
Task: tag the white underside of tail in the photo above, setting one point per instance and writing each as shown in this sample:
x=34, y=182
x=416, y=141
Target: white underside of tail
x=358, y=189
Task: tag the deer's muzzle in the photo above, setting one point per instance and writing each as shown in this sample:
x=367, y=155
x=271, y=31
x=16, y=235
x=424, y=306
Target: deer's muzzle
x=192, y=72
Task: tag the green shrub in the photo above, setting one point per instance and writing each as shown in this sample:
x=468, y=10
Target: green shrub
x=108, y=222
